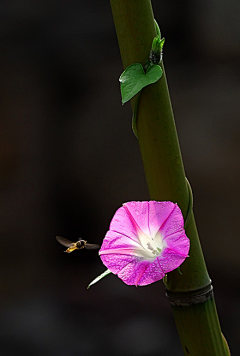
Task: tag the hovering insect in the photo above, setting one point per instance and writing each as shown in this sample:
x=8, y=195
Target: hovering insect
x=72, y=246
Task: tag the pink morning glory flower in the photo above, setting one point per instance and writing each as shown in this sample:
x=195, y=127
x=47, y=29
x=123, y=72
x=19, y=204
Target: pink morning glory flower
x=145, y=241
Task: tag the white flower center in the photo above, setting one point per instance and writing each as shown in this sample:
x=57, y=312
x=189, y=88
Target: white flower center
x=152, y=245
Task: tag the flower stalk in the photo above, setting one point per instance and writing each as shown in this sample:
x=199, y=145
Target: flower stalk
x=190, y=294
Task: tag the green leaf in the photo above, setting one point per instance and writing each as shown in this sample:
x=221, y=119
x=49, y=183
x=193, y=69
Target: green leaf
x=99, y=278
x=134, y=79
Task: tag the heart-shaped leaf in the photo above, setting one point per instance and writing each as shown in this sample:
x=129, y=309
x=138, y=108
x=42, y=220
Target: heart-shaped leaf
x=134, y=79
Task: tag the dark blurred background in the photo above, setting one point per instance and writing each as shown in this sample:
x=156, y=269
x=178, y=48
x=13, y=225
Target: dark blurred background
x=69, y=159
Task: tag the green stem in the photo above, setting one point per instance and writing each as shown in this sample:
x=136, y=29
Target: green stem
x=192, y=304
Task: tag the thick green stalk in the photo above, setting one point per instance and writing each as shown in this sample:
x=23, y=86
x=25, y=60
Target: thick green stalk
x=190, y=294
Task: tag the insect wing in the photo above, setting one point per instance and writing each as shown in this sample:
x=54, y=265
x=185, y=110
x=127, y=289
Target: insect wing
x=92, y=246
x=64, y=242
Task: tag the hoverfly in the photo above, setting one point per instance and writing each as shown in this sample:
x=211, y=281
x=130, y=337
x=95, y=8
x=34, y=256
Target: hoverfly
x=72, y=246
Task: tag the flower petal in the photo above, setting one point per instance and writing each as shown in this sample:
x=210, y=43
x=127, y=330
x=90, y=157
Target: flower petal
x=169, y=260
x=153, y=273
x=116, y=240
x=173, y=223
x=133, y=272
x=141, y=273
x=178, y=243
x=115, y=263
x=159, y=212
x=139, y=213
x=123, y=224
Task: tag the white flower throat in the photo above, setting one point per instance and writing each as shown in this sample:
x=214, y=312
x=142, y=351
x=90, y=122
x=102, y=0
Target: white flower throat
x=152, y=245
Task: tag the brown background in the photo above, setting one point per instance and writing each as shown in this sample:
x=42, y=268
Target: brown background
x=68, y=160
